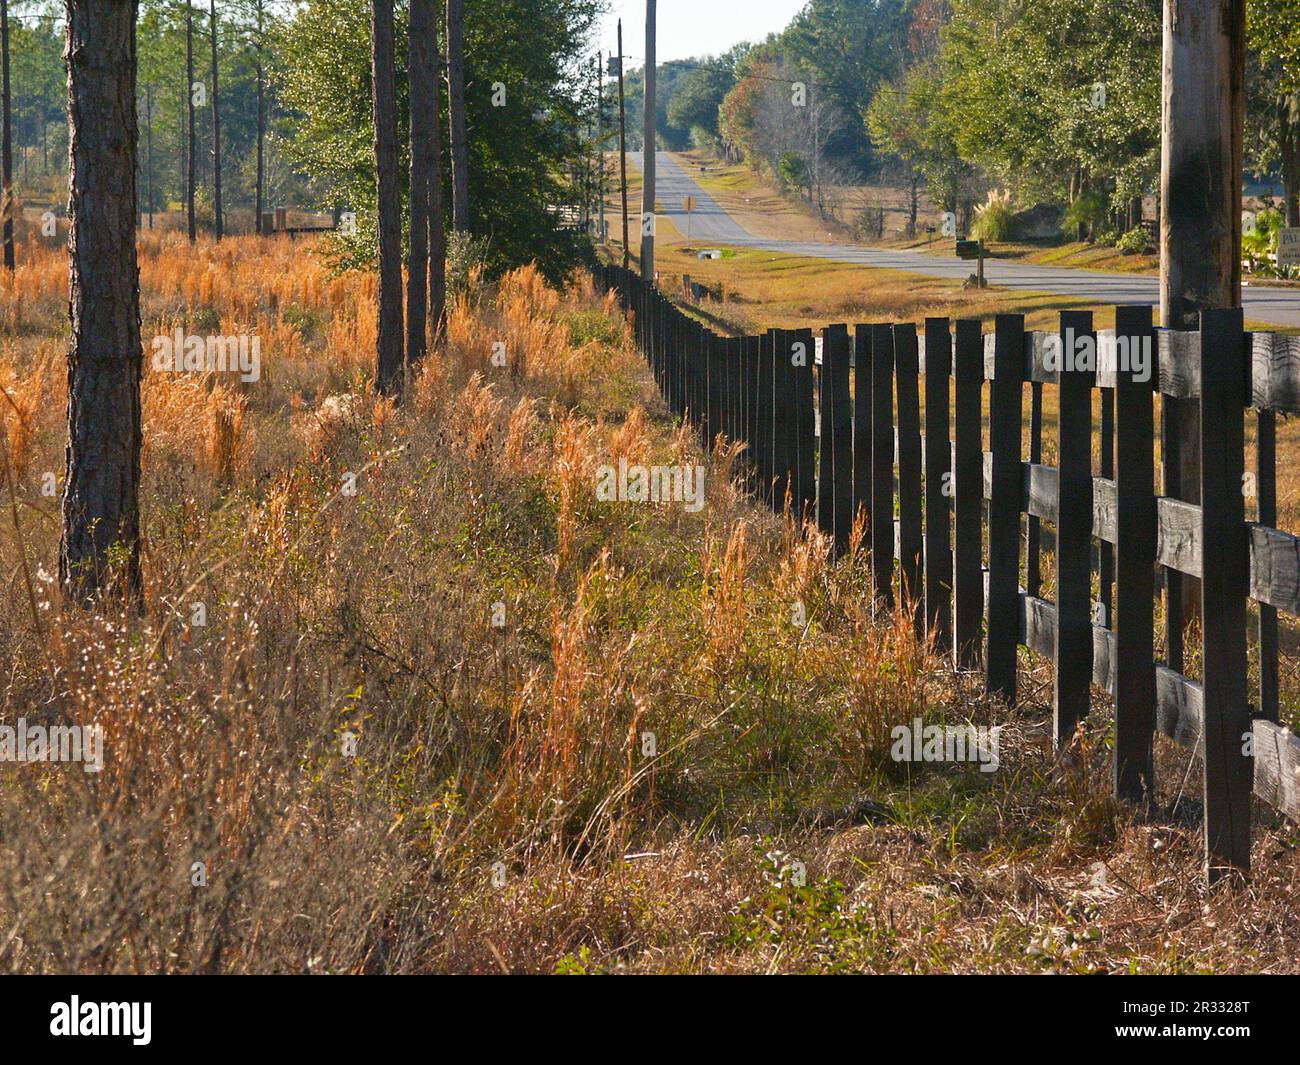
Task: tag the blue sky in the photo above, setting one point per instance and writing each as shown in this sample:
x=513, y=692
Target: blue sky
x=694, y=27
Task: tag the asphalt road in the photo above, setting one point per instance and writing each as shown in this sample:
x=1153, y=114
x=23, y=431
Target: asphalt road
x=710, y=224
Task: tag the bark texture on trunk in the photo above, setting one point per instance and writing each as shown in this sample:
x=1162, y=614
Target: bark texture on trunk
x=456, y=105
x=1289, y=142
x=422, y=88
x=437, y=229
x=388, y=368
x=189, y=105
x=260, y=195
x=216, y=125
x=101, y=511
x=7, y=205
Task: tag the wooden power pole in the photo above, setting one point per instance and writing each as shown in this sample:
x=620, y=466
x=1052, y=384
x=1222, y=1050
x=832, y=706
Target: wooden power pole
x=648, y=150
x=622, y=141
x=1202, y=120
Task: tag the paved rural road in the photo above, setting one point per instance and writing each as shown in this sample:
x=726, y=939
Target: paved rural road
x=710, y=223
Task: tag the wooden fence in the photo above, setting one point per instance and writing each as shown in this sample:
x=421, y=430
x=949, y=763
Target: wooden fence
x=965, y=514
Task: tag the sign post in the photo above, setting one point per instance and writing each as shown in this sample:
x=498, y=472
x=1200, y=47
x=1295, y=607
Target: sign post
x=688, y=205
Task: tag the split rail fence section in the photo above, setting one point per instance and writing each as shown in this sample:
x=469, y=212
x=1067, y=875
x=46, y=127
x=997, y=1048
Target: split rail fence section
x=830, y=451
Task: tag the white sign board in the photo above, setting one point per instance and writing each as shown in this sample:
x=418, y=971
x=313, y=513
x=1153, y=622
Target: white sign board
x=1288, y=247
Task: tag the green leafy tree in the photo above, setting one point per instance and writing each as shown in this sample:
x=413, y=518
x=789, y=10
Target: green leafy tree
x=526, y=156
x=1273, y=87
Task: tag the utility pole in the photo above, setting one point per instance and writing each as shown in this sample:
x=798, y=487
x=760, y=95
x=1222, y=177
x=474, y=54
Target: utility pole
x=1202, y=120
x=648, y=151
x=622, y=141
x=1202, y=117
x=600, y=151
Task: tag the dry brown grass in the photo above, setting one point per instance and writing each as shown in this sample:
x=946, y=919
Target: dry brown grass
x=516, y=748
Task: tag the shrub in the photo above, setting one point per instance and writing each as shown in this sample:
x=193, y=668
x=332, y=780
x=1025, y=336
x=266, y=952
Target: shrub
x=993, y=218
x=1134, y=242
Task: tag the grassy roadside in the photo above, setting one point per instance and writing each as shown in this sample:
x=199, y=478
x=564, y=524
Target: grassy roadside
x=764, y=210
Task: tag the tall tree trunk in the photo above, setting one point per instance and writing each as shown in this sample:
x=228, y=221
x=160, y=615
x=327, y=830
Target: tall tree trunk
x=388, y=369
x=911, y=201
x=437, y=230
x=422, y=90
x=1289, y=141
x=260, y=196
x=148, y=148
x=189, y=97
x=7, y=203
x=648, y=149
x=101, y=510
x=456, y=106
x=216, y=125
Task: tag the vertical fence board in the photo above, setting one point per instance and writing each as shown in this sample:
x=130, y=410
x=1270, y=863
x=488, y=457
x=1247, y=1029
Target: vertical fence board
x=835, y=353
x=882, y=463
x=806, y=432
x=862, y=422
x=1034, y=537
x=1073, y=651
x=782, y=422
x=968, y=500
x=825, y=459
x=1004, y=506
x=1266, y=514
x=1224, y=587
x=1106, y=550
x=751, y=407
x=938, y=484
x=909, y=473
x=1135, y=557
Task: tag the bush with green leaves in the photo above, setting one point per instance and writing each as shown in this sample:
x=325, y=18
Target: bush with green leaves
x=1088, y=211
x=1259, y=240
x=1134, y=242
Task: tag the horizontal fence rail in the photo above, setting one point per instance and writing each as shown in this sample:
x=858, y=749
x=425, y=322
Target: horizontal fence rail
x=880, y=421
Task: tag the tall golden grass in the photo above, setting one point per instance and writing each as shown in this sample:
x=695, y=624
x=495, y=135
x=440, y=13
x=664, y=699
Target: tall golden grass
x=426, y=655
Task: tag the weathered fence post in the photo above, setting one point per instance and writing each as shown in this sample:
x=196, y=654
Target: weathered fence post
x=938, y=484
x=1073, y=651
x=752, y=345
x=763, y=435
x=717, y=386
x=968, y=501
x=1266, y=514
x=1225, y=565
x=835, y=355
x=862, y=424
x=782, y=422
x=807, y=430
x=1135, y=555
x=882, y=464
x=1006, y=498
x=910, y=565
x=825, y=459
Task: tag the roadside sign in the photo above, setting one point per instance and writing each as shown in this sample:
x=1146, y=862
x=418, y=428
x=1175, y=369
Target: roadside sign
x=688, y=204
x=1288, y=246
